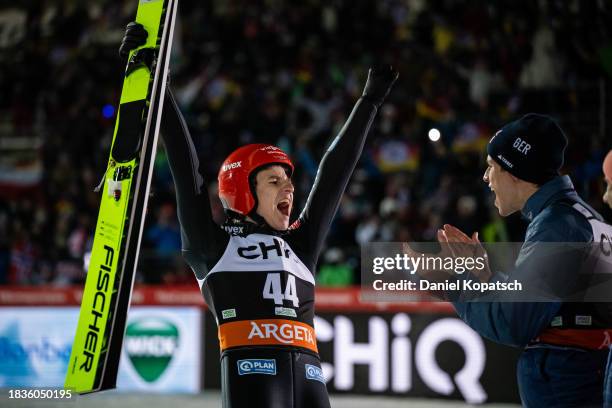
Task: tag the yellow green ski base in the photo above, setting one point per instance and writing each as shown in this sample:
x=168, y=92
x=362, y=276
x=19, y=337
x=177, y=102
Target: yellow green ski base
x=96, y=349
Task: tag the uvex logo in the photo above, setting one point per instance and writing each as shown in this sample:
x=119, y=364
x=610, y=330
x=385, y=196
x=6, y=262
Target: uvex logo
x=262, y=249
x=234, y=229
x=231, y=166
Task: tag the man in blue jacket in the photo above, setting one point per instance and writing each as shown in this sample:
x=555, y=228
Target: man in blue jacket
x=565, y=344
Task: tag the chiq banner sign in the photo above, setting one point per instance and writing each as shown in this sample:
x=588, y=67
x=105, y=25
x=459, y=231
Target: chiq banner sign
x=394, y=363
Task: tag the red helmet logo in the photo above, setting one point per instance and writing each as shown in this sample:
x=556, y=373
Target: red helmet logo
x=234, y=188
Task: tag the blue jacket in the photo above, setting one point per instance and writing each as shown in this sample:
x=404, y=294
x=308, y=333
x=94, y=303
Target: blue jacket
x=550, y=220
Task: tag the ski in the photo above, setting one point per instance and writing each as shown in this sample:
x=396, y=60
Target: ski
x=96, y=350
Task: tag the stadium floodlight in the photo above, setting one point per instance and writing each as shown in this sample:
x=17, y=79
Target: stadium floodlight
x=434, y=134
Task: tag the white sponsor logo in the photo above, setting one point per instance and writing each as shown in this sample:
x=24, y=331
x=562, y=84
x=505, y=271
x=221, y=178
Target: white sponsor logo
x=391, y=356
x=285, y=333
x=496, y=133
x=557, y=321
x=506, y=161
x=521, y=145
x=314, y=373
x=231, y=166
x=257, y=366
x=234, y=229
x=284, y=311
x=584, y=320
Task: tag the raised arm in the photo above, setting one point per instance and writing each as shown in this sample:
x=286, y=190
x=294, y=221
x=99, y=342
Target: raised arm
x=340, y=159
x=202, y=239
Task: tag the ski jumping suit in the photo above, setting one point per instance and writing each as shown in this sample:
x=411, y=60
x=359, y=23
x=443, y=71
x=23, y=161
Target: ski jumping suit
x=259, y=283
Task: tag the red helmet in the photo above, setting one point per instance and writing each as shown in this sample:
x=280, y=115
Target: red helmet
x=234, y=186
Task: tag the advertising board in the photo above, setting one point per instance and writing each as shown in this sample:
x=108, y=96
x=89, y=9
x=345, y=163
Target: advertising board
x=161, y=353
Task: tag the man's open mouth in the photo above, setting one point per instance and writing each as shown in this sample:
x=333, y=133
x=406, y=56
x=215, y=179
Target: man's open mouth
x=283, y=208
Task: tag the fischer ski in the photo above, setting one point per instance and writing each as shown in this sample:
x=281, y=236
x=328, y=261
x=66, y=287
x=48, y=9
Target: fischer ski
x=96, y=350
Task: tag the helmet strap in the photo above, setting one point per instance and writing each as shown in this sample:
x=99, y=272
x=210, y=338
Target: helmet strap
x=259, y=220
x=233, y=218
x=236, y=224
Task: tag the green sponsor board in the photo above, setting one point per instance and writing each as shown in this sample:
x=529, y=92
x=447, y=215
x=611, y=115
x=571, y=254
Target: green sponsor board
x=150, y=344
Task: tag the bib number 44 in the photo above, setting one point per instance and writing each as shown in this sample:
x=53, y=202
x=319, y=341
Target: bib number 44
x=273, y=289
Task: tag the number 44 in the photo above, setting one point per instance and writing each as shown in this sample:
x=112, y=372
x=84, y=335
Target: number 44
x=273, y=290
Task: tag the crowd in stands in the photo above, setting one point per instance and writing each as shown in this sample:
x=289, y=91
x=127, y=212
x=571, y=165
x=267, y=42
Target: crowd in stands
x=288, y=73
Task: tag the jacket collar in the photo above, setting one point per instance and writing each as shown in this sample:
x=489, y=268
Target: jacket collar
x=548, y=192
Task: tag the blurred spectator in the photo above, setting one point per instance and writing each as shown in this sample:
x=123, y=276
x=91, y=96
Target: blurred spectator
x=544, y=68
x=334, y=270
x=243, y=72
x=164, y=234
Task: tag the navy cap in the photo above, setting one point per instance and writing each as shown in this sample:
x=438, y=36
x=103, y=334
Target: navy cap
x=530, y=148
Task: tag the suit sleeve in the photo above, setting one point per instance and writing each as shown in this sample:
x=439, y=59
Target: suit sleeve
x=201, y=237
x=516, y=323
x=332, y=177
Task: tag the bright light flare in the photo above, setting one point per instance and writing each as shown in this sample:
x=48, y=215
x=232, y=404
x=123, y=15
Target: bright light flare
x=434, y=135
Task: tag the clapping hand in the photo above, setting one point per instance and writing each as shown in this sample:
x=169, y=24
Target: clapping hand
x=459, y=244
